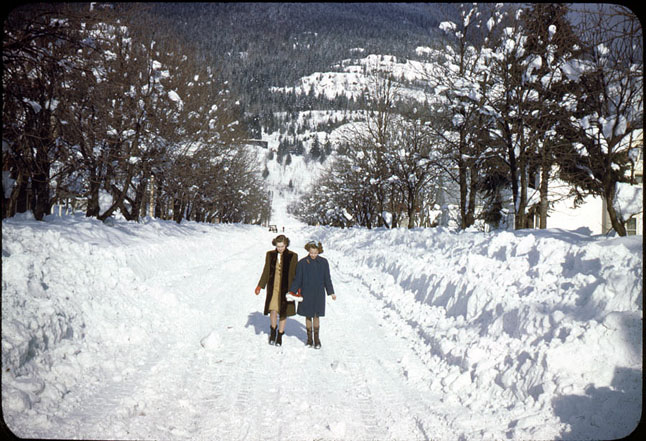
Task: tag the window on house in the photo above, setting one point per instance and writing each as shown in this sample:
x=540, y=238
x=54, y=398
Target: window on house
x=631, y=226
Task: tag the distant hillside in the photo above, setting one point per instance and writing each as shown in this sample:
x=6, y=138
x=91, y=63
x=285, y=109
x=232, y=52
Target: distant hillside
x=299, y=69
x=331, y=29
x=300, y=143
x=263, y=45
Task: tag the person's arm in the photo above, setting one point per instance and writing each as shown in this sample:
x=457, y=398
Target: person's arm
x=297, y=283
x=327, y=281
x=265, y=274
x=292, y=268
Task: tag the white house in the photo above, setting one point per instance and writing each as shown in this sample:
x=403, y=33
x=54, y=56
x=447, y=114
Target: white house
x=593, y=213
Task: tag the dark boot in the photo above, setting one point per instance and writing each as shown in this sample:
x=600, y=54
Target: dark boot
x=272, y=336
x=279, y=339
x=309, y=339
x=317, y=342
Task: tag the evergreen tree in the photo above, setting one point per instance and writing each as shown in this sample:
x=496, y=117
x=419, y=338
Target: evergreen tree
x=315, y=150
x=327, y=147
x=550, y=39
x=300, y=148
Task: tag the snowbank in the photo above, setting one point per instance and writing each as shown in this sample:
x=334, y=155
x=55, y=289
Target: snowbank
x=549, y=322
x=77, y=292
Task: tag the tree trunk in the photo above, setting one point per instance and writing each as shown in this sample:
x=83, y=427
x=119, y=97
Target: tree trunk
x=39, y=196
x=521, y=211
x=543, y=189
x=159, y=210
x=411, y=208
x=121, y=195
x=22, y=194
x=617, y=224
x=471, y=210
x=513, y=174
x=380, y=208
x=40, y=189
x=93, y=207
x=18, y=191
x=178, y=210
x=462, y=181
x=137, y=204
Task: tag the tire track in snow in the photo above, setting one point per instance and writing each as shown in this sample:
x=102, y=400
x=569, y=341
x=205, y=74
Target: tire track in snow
x=169, y=382
x=356, y=387
x=363, y=397
x=209, y=397
x=376, y=361
x=242, y=405
x=218, y=384
x=359, y=366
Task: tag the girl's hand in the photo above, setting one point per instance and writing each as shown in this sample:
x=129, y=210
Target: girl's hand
x=333, y=296
x=257, y=290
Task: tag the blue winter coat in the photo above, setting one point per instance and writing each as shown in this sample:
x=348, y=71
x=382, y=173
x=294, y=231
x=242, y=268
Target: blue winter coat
x=313, y=279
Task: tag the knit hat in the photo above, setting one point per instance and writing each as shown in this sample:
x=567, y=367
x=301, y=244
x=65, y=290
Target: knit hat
x=314, y=244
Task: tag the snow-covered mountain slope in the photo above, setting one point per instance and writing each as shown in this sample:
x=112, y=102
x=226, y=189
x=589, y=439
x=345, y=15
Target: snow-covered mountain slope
x=152, y=330
x=351, y=78
x=355, y=77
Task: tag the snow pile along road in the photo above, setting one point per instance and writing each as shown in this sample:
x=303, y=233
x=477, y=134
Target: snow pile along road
x=545, y=323
x=86, y=305
x=151, y=330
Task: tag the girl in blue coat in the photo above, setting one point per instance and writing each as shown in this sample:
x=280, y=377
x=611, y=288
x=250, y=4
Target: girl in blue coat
x=313, y=279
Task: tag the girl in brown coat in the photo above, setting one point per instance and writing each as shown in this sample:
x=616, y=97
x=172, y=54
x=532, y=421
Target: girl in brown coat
x=277, y=276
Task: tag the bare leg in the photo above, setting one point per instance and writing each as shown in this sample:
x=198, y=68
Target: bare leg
x=281, y=325
x=272, y=318
x=308, y=323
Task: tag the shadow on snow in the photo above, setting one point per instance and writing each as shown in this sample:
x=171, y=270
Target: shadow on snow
x=261, y=325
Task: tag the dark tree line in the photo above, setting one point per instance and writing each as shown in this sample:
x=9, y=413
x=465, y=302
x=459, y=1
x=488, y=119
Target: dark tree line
x=100, y=104
x=263, y=45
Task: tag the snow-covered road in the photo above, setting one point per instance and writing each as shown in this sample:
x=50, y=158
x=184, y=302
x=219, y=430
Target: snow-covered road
x=152, y=331
x=212, y=374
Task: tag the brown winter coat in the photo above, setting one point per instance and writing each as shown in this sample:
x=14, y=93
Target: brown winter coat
x=289, y=262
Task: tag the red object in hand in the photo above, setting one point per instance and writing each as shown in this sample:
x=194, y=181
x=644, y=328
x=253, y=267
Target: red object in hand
x=291, y=297
x=257, y=290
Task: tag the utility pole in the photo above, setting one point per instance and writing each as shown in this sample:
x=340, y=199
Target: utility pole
x=151, y=202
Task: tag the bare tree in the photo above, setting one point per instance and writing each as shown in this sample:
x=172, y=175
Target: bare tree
x=367, y=144
x=460, y=81
x=607, y=106
x=412, y=163
x=39, y=47
x=101, y=105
